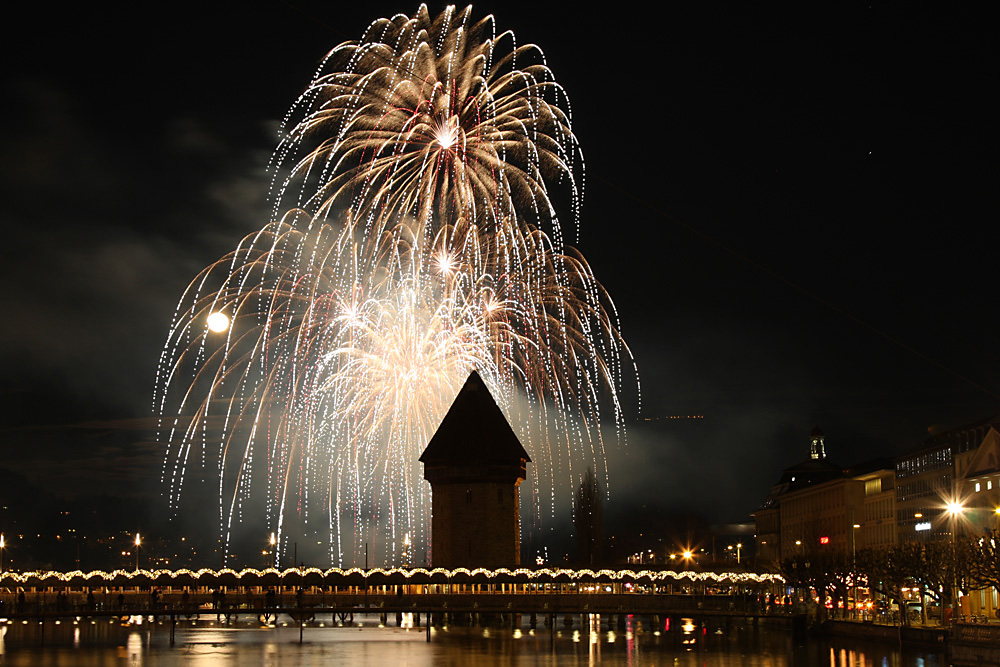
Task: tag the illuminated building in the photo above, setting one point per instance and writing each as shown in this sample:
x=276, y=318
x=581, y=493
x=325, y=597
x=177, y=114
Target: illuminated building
x=949, y=489
x=977, y=474
x=927, y=479
x=820, y=506
x=877, y=522
x=475, y=463
x=978, y=486
x=781, y=519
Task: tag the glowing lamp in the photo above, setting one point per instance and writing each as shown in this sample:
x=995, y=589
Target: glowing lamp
x=218, y=322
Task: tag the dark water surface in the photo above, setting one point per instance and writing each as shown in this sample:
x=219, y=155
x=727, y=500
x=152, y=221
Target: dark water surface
x=581, y=641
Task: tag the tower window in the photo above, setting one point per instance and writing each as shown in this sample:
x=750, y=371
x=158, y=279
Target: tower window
x=468, y=496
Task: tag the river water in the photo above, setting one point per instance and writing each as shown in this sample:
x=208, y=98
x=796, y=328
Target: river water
x=576, y=641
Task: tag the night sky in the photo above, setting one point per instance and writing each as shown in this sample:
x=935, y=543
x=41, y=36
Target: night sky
x=793, y=212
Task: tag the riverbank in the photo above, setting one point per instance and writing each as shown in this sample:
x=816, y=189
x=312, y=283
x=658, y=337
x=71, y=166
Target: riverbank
x=963, y=643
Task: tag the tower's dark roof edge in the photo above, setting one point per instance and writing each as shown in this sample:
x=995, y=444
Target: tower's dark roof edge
x=474, y=429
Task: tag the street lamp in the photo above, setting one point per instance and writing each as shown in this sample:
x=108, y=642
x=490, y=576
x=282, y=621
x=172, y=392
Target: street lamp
x=854, y=562
x=138, y=541
x=955, y=508
x=739, y=546
x=2, y=544
x=274, y=551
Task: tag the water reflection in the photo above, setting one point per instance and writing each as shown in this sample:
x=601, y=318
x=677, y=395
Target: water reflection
x=508, y=640
x=133, y=649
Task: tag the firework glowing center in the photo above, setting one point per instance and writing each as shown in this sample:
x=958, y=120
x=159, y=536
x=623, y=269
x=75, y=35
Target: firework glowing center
x=446, y=133
x=415, y=237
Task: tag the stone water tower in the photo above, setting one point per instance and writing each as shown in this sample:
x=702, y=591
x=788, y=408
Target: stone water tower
x=475, y=463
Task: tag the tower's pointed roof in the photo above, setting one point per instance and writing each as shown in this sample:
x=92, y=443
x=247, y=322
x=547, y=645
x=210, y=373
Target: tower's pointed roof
x=474, y=431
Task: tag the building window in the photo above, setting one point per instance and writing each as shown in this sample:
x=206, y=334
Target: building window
x=977, y=487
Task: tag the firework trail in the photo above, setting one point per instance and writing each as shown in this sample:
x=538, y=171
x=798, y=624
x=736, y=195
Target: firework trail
x=415, y=239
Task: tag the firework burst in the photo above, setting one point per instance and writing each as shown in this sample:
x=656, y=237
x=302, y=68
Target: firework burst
x=431, y=120
x=419, y=242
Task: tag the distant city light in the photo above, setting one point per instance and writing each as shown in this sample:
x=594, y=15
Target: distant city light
x=654, y=419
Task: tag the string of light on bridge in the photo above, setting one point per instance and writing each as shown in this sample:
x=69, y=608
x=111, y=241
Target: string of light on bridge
x=542, y=574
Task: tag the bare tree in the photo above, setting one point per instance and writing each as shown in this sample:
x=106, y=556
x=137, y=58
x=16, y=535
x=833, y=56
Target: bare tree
x=979, y=560
x=885, y=571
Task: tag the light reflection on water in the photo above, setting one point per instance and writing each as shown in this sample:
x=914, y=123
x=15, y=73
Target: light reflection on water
x=587, y=640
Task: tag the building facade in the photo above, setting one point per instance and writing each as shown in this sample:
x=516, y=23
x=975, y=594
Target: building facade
x=820, y=506
x=878, y=518
x=928, y=480
x=948, y=488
